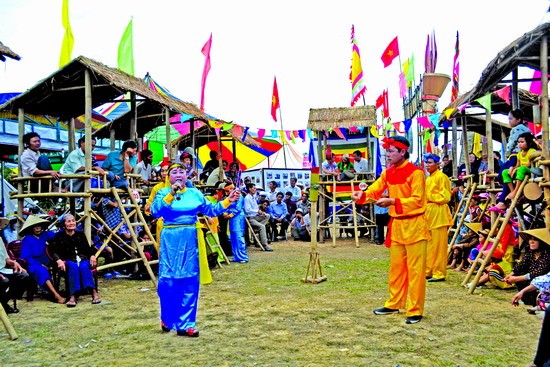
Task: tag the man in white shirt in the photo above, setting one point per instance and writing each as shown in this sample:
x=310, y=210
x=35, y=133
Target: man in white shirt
x=76, y=164
x=272, y=193
x=295, y=190
x=255, y=215
x=360, y=164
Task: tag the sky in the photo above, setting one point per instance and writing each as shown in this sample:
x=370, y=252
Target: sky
x=305, y=44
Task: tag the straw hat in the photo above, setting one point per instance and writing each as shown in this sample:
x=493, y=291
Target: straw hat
x=32, y=220
x=4, y=222
x=532, y=191
x=541, y=234
x=476, y=227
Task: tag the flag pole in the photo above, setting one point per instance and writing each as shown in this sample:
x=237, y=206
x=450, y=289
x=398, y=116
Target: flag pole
x=283, y=131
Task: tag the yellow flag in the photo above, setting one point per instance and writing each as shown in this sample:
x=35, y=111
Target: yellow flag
x=374, y=131
x=476, y=146
x=68, y=39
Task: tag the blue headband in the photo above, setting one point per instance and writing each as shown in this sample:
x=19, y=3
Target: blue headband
x=435, y=157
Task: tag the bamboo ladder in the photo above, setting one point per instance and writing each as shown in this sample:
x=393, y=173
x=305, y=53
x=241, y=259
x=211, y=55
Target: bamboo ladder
x=461, y=212
x=498, y=227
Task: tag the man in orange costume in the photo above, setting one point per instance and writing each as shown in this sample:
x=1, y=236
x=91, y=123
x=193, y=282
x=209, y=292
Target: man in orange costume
x=407, y=230
x=438, y=215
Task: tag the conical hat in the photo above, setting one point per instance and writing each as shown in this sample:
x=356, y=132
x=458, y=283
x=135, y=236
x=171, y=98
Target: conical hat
x=541, y=234
x=4, y=222
x=31, y=221
x=476, y=227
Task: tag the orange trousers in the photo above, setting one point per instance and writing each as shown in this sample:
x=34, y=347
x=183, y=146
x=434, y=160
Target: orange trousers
x=407, y=277
x=436, y=255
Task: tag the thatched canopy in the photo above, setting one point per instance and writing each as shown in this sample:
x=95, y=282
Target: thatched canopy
x=329, y=118
x=6, y=51
x=62, y=93
x=523, y=52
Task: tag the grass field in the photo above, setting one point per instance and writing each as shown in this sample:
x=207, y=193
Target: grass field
x=261, y=314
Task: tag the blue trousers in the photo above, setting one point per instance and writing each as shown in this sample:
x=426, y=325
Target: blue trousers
x=80, y=276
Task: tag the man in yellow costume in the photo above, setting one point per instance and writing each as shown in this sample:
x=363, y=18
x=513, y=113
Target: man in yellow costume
x=438, y=215
x=407, y=230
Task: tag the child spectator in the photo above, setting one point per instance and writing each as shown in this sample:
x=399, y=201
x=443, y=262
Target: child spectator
x=527, y=146
x=461, y=250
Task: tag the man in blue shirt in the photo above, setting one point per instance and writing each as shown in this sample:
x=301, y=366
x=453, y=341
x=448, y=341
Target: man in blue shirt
x=120, y=162
x=278, y=217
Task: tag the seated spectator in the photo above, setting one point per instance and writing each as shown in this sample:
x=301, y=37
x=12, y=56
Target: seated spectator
x=14, y=280
x=35, y=164
x=256, y=216
x=144, y=167
x=74, y=255
x=345, y=166
x=119, y=163
x=234, y=173
x=34, y=243
x=216, y=175
x=278, y=213
x=447, y=168
x=298, y=227
x=210, y=166
x=535, y=262
x=114, y=220
x=163, y=173
x=76, y=164
x=9, y=234
x=497, y=270
x=264, y=205
x=295, y=190
x=290, y=205
x=461, y=249
x=329, y=168
x=360, y=164
x=187, y=160
x=527, y=146
x=303, y=203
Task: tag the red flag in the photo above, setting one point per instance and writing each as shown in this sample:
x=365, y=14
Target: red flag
x=391, y=52
x=275, y=100
x=206, y=52
x=386, y=109
x=379, y=100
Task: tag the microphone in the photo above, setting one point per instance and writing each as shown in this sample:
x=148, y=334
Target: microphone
x=178, y=193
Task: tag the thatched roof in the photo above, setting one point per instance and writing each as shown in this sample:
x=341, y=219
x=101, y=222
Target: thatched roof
x=62, y=93
x=6, y=51
x=329, y=118
x=523, y=52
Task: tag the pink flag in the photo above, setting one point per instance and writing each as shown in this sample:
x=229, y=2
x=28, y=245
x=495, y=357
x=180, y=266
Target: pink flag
x=504, y=93
x=424, y=122
x=261, y=133
x=206, y=52
x=402, y=85
x=536, y=85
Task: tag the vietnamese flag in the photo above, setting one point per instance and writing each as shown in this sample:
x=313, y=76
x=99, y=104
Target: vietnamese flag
x=390, y=53
x=275, y=100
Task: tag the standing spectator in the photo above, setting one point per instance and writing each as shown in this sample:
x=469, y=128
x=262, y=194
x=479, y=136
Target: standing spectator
x=272, y=193
x=407, y=231
x=360, y=164
x=293, y=189
x=76, y=163
x=382, y=218
x=186, y=158
x=144, y=167
x=438, y=216
x=34, y=164
x=182, y=263
x=234, y=173
x=256, y=216
x=518, y=127
x=216, y=176
x=119, y=163
x=74, y=255
x=278, y=213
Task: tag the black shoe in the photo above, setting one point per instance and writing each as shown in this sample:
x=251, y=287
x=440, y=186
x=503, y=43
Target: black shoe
x=428, y=277
x=191, y=332
x=10, y=309
x=164, y=327
x=433, y=280
x=267, y=248
x=413, y=319
x=385, y=311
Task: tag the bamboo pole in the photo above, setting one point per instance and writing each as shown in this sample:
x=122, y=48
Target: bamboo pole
x=7, y=323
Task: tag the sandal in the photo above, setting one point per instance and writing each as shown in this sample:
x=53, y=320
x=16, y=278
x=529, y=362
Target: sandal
x=96, y=301
x=71, y=304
